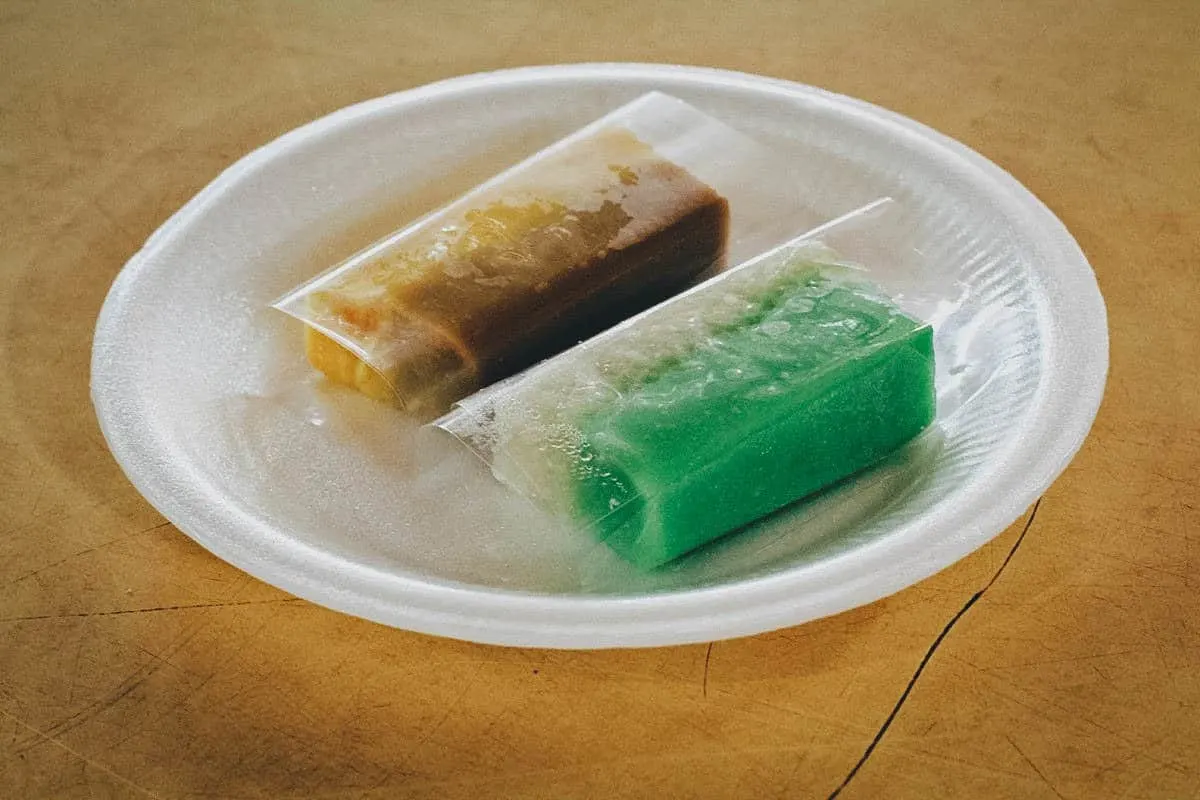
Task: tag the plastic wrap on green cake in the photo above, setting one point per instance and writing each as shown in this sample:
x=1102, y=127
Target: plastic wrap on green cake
x=714, y=409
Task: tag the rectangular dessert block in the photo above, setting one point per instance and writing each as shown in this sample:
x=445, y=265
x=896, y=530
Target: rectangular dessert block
x=562, y=248
x=812, y=386
x=707, y=414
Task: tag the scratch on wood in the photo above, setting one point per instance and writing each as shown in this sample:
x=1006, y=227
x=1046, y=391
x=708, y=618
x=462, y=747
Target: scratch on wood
x=1090, y=139
x=191, y=692
x=94, y=764
x=999, y=773
x=887, y=723
x=143, y=673
x=149, y=610
x=707, y=659
x=84, y=552
x=1067, y=716
x=37, y=498
x=74, y=671
x=1034, y=767
x=1062, y=660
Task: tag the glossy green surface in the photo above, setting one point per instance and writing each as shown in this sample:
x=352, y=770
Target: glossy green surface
x=816, y=381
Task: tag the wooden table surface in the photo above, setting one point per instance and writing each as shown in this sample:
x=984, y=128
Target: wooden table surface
x=1062, y=660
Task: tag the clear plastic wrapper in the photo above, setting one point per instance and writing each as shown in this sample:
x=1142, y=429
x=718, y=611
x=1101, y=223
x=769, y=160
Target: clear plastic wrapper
x=616, y=217
x=761, y=386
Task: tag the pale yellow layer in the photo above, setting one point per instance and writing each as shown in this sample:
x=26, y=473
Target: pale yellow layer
x=343, y=367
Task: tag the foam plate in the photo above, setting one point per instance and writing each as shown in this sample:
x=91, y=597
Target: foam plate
x=206, y=402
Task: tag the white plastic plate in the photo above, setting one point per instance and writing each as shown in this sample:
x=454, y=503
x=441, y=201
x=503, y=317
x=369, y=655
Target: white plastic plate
x=206, y=401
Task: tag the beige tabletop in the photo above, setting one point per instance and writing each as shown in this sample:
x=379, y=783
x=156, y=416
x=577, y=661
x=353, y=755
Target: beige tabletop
x=1062, y=660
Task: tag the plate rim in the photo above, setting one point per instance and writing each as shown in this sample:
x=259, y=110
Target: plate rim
x=788, y=597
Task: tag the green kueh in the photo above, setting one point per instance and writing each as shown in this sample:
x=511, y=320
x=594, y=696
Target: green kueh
x=710, y=413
